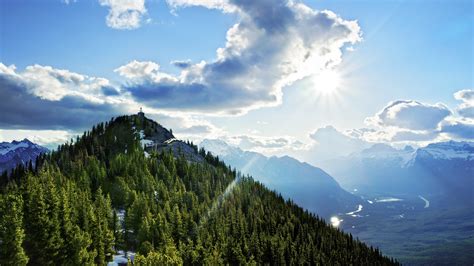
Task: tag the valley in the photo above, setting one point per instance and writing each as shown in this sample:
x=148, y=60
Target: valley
x=413, y=229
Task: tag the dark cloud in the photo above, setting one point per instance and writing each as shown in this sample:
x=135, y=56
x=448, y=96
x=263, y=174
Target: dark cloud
x=193, y=96
x=110, y=91
x=274, y=44
x=182, y=64
x=21, y=109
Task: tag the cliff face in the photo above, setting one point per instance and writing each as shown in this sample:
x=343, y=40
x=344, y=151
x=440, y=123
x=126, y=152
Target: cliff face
x=155, y=138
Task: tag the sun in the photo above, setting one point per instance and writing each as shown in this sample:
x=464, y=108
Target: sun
x=327, y=82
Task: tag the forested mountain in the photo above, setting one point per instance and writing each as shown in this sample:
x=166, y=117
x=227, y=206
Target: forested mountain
x=103, y=192
x=310, y=187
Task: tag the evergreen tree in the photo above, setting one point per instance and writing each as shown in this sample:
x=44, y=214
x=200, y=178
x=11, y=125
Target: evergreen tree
x=11, y=231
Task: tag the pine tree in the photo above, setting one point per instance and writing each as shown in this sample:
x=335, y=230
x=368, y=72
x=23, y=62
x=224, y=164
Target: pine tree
x=11, y=231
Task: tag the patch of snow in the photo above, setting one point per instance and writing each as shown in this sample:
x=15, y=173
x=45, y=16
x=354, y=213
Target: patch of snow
x=121, y=215
x=8, y=147
x=169, y=141
x=121, y=258
x=370, y=202
x=146, y=142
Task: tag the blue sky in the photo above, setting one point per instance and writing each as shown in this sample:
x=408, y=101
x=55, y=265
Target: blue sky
x=378, y=52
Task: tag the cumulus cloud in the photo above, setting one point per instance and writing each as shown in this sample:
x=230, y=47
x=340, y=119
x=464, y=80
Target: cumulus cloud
x=412, y=121
x=466, y=108
x=274, y=44
x=465, y=95
x=42, y=97
x=458, y=128
x=411, y=115
x=124, y=14
x=331, y=143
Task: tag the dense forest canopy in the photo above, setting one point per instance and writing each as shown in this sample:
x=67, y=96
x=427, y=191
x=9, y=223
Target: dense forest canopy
x=101, y=193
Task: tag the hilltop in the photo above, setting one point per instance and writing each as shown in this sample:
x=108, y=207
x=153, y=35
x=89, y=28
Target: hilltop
x=127, y=186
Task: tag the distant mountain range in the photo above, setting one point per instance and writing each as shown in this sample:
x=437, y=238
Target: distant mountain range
x=441, y=169
x=18, y=152
x=308, y=186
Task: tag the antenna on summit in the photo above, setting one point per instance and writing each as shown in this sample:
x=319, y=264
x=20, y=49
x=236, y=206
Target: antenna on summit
x=141, y=114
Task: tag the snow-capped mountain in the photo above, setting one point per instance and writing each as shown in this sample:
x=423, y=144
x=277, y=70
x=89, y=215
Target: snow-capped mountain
x=18, y=152
x=439, y=168
x=450, y=150
x=406, y=157
x=305, y=184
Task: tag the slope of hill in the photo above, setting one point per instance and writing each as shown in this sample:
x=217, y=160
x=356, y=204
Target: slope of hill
x=309, y=186
x=104, y=193
x=18, y=152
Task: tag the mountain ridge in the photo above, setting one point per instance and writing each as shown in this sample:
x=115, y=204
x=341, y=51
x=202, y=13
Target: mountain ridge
x=18, y=152
x=174, y=211
x=309, y=186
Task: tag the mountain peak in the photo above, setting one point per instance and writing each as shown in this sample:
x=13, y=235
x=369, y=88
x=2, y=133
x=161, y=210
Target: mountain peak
x=18, y=152
x=219, y=147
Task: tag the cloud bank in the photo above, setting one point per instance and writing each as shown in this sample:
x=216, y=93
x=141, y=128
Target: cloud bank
x=42, y=97
x=408, y=120
x=274, y=44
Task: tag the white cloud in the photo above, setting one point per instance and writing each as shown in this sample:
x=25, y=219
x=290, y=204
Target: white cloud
x=146, y=71
x=274, y=44
x=465, y=95
x=331, y=143
x=124, y=14
x=223, y=5
x=465, y=109
x=53, y=84
x=410, y=115
x=42, y=97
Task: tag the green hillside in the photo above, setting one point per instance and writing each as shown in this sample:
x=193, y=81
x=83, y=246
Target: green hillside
x=102, y=193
